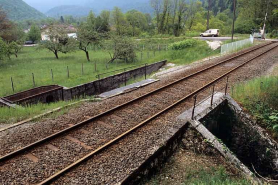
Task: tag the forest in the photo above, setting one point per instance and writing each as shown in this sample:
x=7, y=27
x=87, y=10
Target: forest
x=179, y=17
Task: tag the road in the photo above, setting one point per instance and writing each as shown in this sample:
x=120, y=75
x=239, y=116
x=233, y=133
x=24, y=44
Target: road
x=215, y=38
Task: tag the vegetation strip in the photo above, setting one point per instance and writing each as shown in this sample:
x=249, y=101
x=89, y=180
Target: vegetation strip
x=42, y=115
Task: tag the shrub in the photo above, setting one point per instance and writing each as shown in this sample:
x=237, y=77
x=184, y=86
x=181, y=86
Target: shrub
x=259, y=96
x=183, y=44
x=3, y=49
x=274, y=34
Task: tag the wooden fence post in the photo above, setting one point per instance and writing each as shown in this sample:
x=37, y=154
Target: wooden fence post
x=52, y=75
x=68, y=71
x=34, y=84
x=12, y=83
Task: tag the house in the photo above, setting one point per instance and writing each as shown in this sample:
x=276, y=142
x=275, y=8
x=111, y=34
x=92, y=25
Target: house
x=68, y=29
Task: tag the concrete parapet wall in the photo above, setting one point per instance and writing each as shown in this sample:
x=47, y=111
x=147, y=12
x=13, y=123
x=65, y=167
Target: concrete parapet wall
x=111, y=82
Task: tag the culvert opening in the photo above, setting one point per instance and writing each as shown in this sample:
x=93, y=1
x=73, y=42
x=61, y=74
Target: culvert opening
x=49, y=99
x=244, y=140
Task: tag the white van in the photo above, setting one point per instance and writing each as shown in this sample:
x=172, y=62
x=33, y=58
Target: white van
x=210, y=33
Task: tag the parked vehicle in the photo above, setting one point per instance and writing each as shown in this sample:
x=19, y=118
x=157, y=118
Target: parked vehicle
x=257, y=33
x=29, y=42
x=210, y=33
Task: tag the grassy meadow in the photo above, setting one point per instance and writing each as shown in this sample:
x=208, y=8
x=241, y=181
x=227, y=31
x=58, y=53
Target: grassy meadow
x=40, y=62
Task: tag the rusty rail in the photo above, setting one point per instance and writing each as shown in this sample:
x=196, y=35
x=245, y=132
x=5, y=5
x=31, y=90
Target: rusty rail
x=118, y=138
x=17, y=152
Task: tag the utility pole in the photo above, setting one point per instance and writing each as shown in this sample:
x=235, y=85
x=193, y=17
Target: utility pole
x=234, y=18
x=263, y=34
x=208, y=15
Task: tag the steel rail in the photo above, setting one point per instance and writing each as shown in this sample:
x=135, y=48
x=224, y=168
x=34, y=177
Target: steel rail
x=44, y=140
x=118, y=138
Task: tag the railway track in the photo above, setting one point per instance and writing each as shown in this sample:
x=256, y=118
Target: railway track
x=86, y=139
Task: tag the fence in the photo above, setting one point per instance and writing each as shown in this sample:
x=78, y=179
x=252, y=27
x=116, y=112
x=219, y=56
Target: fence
x=234, y=46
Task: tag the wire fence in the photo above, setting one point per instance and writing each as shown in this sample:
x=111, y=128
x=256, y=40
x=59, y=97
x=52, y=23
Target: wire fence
x=234, y=46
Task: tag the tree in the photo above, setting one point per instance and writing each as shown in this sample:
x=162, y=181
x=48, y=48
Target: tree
x=91, y=32
x=88, y=36
x=102, y=22
x=62, y=20
x=182, y=7
x=208, y=17
x=157, y=6
x=193, y=9
x=124, y=49
x=12, y=49
x=119, y=21
x=9, y=31
x=137, y=21
x=34, y=33
x=3, y=49
x=5, y=24
x=166, y=4
x=59, y=41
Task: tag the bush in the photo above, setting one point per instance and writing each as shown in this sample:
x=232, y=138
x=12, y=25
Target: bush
x=3, y=49
x=183, y=44
x=259, y=96
x=243, y=25
x=274, y=34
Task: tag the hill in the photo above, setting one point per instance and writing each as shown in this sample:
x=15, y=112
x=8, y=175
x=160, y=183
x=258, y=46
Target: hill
x=140, y=5
x=74, y=10
x=19, y=10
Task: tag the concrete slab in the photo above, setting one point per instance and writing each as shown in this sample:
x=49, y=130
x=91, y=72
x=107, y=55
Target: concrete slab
x=215, y=38
x=7, y=104
x=127, y=88
x=203, y=108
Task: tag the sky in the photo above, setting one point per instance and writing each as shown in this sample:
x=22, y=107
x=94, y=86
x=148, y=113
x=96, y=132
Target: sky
x=45, y=5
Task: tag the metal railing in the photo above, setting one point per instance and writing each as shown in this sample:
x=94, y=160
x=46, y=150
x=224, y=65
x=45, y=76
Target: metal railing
x=234, y=46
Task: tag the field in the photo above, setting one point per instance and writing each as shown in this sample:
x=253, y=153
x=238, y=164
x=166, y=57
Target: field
x=41, y=62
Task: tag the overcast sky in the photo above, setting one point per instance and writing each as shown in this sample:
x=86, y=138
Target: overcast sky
x=45, y=5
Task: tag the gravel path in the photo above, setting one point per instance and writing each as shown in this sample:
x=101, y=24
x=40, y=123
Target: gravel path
x=47, y=159
x=113, y=165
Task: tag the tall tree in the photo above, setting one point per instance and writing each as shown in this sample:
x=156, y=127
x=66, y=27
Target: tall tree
x=62, y=20
x=136, y=20
x=34, y=34
x=102, y=22
x=119, y=21
x=193, y=9
x=90, y=33
x=157, y=6
x=3, y=49
x=5, y=25
x=59, y=41
x=166, y=4
x=208, y=17
x=182, y=7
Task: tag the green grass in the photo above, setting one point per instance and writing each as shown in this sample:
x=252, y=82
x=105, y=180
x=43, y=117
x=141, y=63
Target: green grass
x=213, y=177
x=10, y=115
x=260, y=98
x=40, y=62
